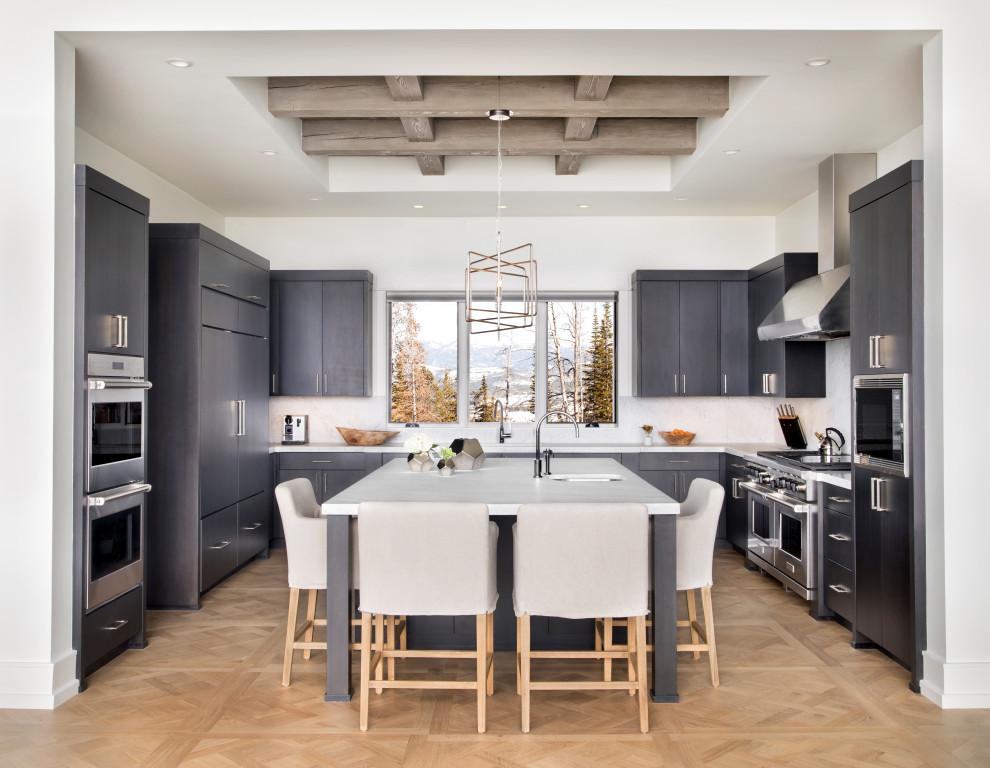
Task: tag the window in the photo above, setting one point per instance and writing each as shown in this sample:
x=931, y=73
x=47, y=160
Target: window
x=436, y=379
x=423, y=370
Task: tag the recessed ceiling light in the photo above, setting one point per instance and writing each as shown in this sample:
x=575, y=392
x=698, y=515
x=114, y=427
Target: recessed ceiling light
x=499, y=114
x=180, y=63
x=680, y=199
x=417, y=206
x=582, y=205
x=315, y=199
x=269, y=152
x=731, y=151
x=819, y=62
x=503, y=206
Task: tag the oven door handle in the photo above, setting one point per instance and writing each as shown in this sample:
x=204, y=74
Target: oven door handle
x=98, y=500
x=121, y=384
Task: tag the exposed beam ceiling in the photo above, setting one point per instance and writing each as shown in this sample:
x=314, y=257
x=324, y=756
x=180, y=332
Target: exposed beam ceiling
x=430, y=118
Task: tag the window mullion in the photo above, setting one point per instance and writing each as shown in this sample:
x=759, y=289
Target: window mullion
x=463, y=365
x=540, y=361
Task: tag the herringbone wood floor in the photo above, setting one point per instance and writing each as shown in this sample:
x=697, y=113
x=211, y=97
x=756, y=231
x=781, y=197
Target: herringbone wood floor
x=206, y=692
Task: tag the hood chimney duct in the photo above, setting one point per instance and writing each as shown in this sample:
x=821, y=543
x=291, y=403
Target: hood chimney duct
x=838, y=177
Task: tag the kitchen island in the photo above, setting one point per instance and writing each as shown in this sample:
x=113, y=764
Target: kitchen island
x=504, y=484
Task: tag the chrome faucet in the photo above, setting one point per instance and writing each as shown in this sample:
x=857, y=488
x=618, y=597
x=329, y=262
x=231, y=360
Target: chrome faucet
x=538, y=462
x=500, y=415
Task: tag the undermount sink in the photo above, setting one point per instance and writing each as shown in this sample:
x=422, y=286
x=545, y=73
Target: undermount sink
x=585, y=477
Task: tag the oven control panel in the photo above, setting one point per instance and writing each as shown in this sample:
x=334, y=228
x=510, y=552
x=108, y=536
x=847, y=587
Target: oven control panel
x=780, y=480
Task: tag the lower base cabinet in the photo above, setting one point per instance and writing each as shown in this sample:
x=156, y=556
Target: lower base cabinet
x=231, y=537
x=736, y=516
x=838, y=582
x=111, y=628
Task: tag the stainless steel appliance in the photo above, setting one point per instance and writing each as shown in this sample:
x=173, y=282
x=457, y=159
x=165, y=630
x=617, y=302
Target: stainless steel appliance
x=880, y=422
x=828, y=446
x=294, y=430
x=114, y=543
x=783, y=526
x=116, y=414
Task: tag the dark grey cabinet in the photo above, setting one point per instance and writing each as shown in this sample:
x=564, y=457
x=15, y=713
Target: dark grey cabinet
x=884, y=584
x=207, y=412
x=112, y=230
x=838, y=583
x=781, y=368
x=886, y=278
x=736, y=504
x=673, y=471
x=687, y=340
x=322, y=333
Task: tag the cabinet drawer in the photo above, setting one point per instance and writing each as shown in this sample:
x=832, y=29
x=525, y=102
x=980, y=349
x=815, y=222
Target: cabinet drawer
x=219, y=310
x=110, y=625
x=304, y=460
x=837, y=498
x=839, y=538
x=218, y=546
x=253, y=525
x=678, y=460
x=252, y=319
x=839, y=590
x=253, y=283
x=218, y=269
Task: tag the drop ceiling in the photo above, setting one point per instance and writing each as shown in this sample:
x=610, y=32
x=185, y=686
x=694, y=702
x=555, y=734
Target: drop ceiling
x=204, y=128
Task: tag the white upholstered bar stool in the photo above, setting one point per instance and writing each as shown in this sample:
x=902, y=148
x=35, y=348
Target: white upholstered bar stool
x=306, y=552
x=426, y=559
x=582, y=561
x=696, y=526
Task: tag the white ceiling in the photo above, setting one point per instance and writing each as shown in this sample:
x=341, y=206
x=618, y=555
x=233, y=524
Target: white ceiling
x=203, y=128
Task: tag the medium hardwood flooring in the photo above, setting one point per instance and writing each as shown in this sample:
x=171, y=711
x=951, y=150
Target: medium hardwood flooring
x=206, y=692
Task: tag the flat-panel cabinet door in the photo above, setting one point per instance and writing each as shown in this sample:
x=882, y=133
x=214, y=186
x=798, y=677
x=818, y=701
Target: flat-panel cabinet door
x=698, y=336
x=762, y=291
x=253, y=517
x=116, y=250
x=736, y=522
x=658, y=306
x=895, y=559
x=218, y=459
x=864, y=287
x=253, y=283
x=893, y=347
x=734, y=338
x=662, y=479
x=345, y=338
x=219, y=269
x=252, y=444
x=301, y=338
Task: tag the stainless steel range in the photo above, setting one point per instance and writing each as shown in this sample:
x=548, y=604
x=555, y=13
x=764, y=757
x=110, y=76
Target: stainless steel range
x=783, y=526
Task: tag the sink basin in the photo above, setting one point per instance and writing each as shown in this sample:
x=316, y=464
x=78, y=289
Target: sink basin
x=585, y=477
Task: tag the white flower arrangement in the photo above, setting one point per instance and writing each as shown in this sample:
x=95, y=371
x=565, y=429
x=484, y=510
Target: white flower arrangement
x=419, y=444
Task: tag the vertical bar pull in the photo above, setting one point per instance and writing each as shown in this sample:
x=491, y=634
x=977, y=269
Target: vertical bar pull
x=675, y=383
x=725, y=383
x=683, y=384
x=317, y=383
x=324, y=383
x=879, y=353
x=119, y=341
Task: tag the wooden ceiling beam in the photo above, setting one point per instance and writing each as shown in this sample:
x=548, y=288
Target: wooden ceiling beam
x=419, y=128
x=405, y=87
x=568, y=165
x=386, y=137
x=579, y=128
x=370, y=97
x=430, y=165
x=591, y=87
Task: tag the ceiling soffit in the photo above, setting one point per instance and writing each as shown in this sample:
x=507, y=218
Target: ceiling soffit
x=430, y=118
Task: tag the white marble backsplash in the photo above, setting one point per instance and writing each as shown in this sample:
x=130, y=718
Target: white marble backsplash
x=713, y=419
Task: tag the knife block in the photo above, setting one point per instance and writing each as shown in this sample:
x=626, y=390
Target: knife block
x=793, y=433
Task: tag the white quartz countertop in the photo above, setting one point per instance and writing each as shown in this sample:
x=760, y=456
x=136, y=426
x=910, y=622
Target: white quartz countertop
x=527, y=448
x=503, y=484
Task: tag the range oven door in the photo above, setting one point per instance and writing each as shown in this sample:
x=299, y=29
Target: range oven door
x=114, y=546
x=115, y=433
x=762, y=525
x=795, y=556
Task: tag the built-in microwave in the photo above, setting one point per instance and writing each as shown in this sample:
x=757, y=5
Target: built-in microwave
x=116, y=414
x=880, y=422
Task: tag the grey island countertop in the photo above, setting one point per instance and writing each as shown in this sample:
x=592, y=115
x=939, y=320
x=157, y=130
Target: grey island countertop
x=504, y=484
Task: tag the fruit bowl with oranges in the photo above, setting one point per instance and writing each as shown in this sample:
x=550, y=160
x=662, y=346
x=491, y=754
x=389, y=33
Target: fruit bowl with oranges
x=677, y=437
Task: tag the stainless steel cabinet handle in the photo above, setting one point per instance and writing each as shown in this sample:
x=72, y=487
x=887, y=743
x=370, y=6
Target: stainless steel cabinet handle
x=739, y=466
x=725, y=383
x=324, y=383
x=123, y=493
x=683, y=384
x=273, y=383
x=118, y=624
x=735, y=488
x=840, y=588
x=880, y=363
x=220, y=545
x=675, y=485
x=840, y=499
x=252, y=527
x=324, y=482
x=255, y=298
x=839, y=537
x=323, y=461
x=126, y=329
x=220, y=285
x=678, y=461
x=873, y=493
x=317, y=383
x=120, y=341
x=881, y=502
x=675, y=383
x=766, y=391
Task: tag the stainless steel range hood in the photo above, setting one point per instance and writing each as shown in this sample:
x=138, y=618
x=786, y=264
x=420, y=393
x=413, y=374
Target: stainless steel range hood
x=817, y=309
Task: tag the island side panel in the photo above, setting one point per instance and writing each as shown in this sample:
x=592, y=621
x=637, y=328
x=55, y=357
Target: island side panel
x=664, y=609
x=339, y=686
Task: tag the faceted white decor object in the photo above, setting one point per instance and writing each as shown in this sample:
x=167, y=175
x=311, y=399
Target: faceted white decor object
x=421, y=462
x=468, y=453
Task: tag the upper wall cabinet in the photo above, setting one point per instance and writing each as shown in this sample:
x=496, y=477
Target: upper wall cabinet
x=782, y=368
x=687, y=333
x=886, y=281
x=112, y=245
x=321, y=333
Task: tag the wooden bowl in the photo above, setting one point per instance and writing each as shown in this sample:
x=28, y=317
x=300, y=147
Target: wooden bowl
x=672, y=439
x=365, y=436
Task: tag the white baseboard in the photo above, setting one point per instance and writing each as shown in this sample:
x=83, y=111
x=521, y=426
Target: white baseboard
x=961, y=685
x=38, y=685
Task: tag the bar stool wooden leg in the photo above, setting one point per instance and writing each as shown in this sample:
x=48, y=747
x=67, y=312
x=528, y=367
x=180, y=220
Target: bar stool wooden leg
x=523, y=622
x=365, y=669
x=310, y=618
x=608, y=646
x=390, y=644
x=706, y=605
x=693, y=619
x=481, y=666
x=518, y=656
x=490, y=661
x=378, y=640
x=290, y=634
x=644, y=709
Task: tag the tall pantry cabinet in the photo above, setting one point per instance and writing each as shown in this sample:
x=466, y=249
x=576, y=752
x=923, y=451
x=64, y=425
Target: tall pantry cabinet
x=208, y=411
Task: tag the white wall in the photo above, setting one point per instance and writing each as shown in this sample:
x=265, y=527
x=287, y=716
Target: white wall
x=36, y=242
x=796, y=228
x=168, y=202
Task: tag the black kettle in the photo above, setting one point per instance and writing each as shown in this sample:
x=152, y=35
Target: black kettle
x=827, y=445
